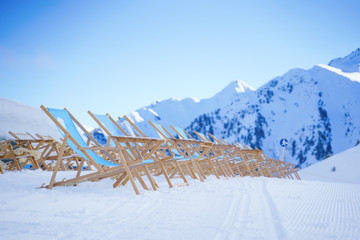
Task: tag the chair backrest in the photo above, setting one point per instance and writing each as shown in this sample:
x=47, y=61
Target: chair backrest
x=106, y=121
x=128, y=127
x=64, y=119
x=203, y=136
x=25, y=135
x=107, y=126
x=160, y=130
x=182, y=134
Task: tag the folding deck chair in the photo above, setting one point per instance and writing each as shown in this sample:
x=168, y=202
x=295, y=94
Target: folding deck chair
x=244, y=162
x=101, y=158
x=157, y=164
x=214, y=162
x=239, y=165
x=272, y=167
x=259, y=164
x=191, y=151
x=176, y=163
x=47, y=151
x=171, y=166
x=15, y=156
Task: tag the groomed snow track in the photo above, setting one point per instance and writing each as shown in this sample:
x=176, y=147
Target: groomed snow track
x=238, y=208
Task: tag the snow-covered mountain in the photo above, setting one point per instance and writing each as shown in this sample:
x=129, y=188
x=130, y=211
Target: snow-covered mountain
x=317, y=110
x=350, y=63
x=181, y=112
x=20, y=118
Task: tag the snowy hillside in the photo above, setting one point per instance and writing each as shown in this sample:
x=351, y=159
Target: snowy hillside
x=342, y=167
x=315, y=109
x=20, y=118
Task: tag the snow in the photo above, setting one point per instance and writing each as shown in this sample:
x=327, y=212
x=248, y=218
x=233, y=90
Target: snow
x=20, y=118
x=349, y=63
x=354, y=76
x=236, y=208
x=342, y=167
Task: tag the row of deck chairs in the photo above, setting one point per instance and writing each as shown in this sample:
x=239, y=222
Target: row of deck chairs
x=131, y=156
x=27, y=151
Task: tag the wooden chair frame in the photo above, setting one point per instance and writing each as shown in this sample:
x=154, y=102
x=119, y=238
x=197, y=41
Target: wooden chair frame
x=121, y=168
x=170, y=166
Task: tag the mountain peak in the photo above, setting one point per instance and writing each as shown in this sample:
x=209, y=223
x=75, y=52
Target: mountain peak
x=234, y=88
x=349, y=63
x=237, y=86
x=240, y=86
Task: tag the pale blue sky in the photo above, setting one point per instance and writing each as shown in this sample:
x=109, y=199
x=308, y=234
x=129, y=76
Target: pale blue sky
x=117, y=56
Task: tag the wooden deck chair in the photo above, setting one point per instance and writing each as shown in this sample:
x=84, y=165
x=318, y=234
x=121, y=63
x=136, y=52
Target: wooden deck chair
x=275, y=167
x=287, y=169
x=207, y=160
x=46, y=146
x=292, y=170
x=175, y=163
x=232, y=161
x=171, y=166
x=212, y=162
x=187, y=150
x=258, y=165
x=121, y=168
x=244, y=161
x=21, y=154
x=157, y=164
x=116, y=133
x=224, y=153
x=269, y=167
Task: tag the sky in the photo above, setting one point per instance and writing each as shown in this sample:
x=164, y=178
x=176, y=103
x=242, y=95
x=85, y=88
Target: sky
x=117, y=56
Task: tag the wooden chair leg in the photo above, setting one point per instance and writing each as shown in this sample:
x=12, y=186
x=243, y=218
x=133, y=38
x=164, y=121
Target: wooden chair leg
x=79, y=170
x=129, y=174
x=222, y=168
x=166, y=175
x=151, y=179
x=237, y=168
x=181, y=172
x=59, y=160
x=14, y=158
x=191, y=171
x=137, y=175
x=195, y=166
x=119, y=180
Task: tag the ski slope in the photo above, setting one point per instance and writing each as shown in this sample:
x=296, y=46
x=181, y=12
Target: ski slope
x=237, y=208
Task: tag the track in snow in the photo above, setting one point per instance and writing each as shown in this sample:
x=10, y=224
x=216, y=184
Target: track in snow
x=239, y=208
x=319, y=210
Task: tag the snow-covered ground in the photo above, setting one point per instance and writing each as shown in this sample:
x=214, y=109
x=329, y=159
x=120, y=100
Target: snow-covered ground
x=343, y=167
x=237, y=208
